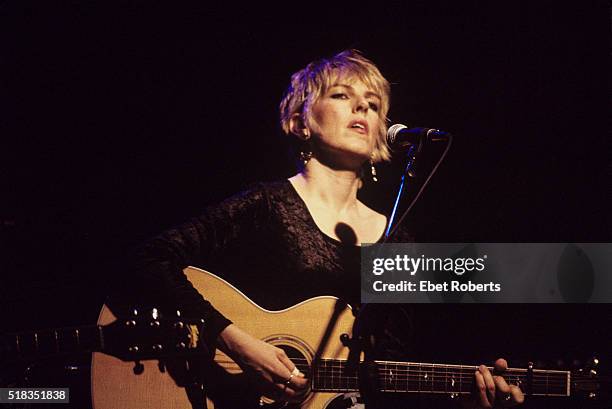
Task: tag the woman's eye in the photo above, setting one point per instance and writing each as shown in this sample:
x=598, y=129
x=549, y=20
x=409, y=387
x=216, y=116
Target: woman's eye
x=373, y=107
x=339, y=96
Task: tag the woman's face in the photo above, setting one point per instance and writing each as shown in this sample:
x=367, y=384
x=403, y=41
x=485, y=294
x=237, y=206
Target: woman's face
x=345, y=122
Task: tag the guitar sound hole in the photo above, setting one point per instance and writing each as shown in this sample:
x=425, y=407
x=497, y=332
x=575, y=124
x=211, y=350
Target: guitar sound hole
x=346, y=401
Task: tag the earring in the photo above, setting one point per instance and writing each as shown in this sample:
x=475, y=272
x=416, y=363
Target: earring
x=373, y=170
x=305, y=153
x=305, y=156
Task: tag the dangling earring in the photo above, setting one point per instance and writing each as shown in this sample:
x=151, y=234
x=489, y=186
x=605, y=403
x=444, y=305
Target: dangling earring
x=373, y=170
x=305, y=156
x=305, y=153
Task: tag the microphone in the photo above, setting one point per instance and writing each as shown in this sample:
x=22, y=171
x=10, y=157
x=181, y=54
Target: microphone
x=399, y=136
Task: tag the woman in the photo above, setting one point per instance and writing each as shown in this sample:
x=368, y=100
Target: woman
x=312, y=224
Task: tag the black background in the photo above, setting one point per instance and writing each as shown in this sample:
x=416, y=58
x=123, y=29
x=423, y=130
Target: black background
x=120, y=119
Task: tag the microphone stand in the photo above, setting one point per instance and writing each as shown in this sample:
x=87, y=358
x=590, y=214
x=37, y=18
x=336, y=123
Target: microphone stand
x=363, y=341
x=363, y=337
x=411, y=154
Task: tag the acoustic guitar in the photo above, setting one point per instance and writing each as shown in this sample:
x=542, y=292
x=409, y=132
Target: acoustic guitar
x=310, y=332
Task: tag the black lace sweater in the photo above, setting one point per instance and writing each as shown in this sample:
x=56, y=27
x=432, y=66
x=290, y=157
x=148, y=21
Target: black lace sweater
x=264, y=241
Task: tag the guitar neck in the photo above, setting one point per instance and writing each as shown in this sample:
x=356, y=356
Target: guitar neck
x=333, y=375
x=51, y=342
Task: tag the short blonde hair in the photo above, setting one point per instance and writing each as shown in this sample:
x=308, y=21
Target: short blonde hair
x=308, y=84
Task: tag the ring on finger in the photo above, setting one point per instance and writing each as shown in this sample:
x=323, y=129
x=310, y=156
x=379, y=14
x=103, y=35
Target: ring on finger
x=288, y=381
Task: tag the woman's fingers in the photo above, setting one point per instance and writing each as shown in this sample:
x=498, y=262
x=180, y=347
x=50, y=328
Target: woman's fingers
x=293, y=375
x=489, y=385
x=500, y=366
x=481, y=390
x=492, y=389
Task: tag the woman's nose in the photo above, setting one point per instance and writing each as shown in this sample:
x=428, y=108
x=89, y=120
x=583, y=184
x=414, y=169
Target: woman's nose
x=361, y=105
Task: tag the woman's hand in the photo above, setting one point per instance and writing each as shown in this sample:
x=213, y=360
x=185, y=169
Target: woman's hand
x=493, y=390
x=280, y=377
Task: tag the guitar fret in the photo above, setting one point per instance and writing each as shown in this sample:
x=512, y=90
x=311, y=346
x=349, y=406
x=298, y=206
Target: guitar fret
x=434, y=378
x=422, y=378
x=333, y=369
x=17, y=343
x=407, y=387
x=402, y=384
x=385, y=379
x=446, y=379
x=36, y=346
x=323, y=372
x=388, y=377
x=396, y=369
x=396, y=376
x=324, y=378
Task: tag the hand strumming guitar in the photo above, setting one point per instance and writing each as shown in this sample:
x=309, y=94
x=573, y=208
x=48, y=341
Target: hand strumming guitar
x=280, y=377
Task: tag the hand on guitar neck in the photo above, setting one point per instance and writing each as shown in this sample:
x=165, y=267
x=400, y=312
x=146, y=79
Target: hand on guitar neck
x=492, y=389
x=279, y=376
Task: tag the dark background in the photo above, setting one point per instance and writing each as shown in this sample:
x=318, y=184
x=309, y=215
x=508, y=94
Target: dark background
x=120, y=119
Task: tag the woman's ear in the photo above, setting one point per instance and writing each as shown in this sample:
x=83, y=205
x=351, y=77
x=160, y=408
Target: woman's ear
x=298, y=127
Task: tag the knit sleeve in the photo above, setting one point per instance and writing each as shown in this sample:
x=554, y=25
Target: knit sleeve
x=157, y=265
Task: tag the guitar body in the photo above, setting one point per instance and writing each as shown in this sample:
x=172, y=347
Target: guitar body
x=302, y=330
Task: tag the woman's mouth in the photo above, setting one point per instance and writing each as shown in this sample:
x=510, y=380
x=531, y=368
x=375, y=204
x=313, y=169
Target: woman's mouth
x=359, y=126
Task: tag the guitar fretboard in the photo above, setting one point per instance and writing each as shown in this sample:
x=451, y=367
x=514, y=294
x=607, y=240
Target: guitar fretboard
x=333, y=375
x=51, y=342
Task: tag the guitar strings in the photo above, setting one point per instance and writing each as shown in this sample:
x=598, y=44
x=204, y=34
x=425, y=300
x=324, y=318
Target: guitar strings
x=324, y=365
x=334, y=372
